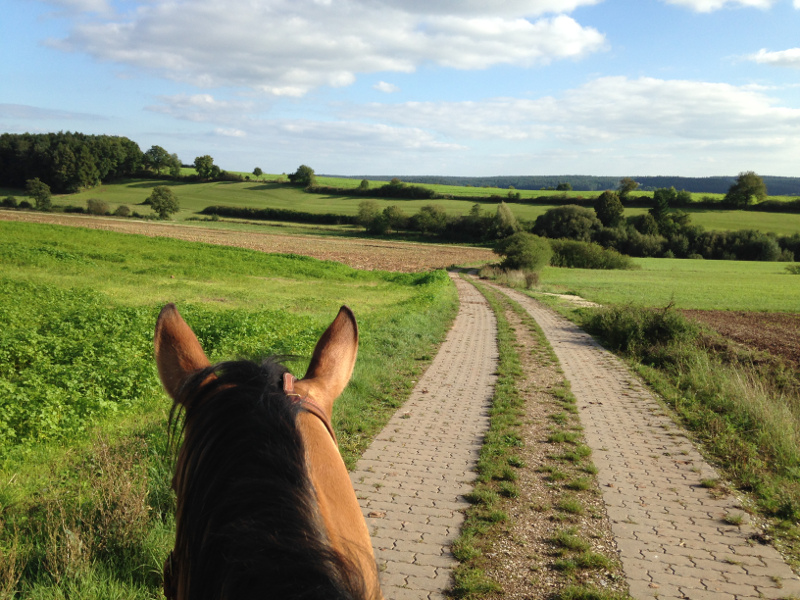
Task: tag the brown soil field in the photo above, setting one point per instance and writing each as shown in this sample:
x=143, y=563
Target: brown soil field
x=355, y=252
x=775, y=333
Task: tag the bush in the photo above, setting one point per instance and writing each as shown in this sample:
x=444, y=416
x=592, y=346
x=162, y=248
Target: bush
x=10, y=202
x=647, y=334
x=586, y=255
x=524, y=251
x=40, y=192
x=96, y=207
x=571, y=222
x=124, y=211
x=25, y=204
x=793, y=269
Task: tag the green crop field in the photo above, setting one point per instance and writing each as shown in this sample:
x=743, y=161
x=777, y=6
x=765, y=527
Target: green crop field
x=700, y=284
x=83, y=453
x=194, y=197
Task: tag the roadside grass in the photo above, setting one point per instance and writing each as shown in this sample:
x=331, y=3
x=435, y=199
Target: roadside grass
x=268, y=193
x=745, y=410
x=570, y=559
x=85, y=504
x=688, y=284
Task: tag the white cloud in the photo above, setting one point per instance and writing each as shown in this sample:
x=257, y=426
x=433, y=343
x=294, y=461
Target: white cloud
x=711, y=5
x=227, y=132
x=607, y=110
x=199, y=107
x=288, y=47
x=782, y=58
x=83, y=6
x=386, y=88
x=530, y=8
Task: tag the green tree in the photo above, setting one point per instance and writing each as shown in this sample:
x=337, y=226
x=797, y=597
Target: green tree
x=663, y=198
x=564, y=187
x=571, y=222
x=174, y=164
x=431, y=219
x=303, y=176
x=163, y=201
x=157, y=158
x=368, y=211
x=40, y=192
x=609, y=209
x=258, y=172
x=203, y=165
x=748, y=186
x=626, y=186
x=395, y=218
x=505, y=223
x=364, y=185
x=524, y=251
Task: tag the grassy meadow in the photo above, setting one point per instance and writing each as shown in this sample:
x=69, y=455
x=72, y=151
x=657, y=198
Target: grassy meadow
x=690, y=284
x=84, y=461
x=194, y=197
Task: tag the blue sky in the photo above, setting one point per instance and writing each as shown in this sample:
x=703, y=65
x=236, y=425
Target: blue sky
x=418, y=87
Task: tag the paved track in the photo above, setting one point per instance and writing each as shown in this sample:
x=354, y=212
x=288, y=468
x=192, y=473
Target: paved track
x=412, y=479
x=669, y=531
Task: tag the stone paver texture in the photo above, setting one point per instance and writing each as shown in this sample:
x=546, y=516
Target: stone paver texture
x=412, y=479
x=670, y=532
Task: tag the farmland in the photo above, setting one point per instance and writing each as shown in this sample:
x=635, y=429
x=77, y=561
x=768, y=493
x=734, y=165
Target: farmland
x=82, y=417
x=194, y=197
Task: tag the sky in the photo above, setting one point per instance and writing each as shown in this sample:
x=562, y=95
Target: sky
x=418, y=87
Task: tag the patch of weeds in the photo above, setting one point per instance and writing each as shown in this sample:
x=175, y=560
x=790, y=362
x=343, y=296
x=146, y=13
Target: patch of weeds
x=567, y=539
x=472, y=583
x=590, y=469
x=508, y=490
x=516, y=461
x=563, y=437
x=570, y=505
x=736, y=519
x=579, y=484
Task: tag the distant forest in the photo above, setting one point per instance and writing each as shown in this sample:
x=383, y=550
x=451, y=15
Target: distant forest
x=776, y=186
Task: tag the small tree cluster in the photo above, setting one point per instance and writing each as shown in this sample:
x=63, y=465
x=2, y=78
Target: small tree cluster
x=163, y=201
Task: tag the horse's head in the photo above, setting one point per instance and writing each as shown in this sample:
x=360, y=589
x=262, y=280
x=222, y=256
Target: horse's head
x=265, y=503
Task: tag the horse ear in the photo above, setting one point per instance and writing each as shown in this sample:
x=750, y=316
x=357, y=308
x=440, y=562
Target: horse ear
x=178, y=352
x=332, y=362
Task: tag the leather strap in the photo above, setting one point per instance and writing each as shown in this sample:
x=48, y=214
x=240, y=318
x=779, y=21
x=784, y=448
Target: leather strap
x=307, y=403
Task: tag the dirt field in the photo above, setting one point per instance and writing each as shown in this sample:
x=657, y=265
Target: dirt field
x=776, y=333
x=358, y=253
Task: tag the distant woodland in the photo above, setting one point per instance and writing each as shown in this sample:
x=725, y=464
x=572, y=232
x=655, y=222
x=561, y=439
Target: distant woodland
x=778, y=186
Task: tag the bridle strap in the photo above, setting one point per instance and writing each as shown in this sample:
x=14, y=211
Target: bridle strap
x=307, y=404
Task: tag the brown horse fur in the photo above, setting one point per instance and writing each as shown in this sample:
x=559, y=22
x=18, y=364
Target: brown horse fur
x=265, y=504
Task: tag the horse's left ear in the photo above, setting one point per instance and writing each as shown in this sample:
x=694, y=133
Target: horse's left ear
x=332, y=362
x=178, y=352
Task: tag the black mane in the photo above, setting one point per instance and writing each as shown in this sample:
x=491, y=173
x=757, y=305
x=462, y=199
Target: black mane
x=248, y=522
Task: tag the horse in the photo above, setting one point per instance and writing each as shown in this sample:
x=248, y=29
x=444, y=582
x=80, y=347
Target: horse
x=265, y=506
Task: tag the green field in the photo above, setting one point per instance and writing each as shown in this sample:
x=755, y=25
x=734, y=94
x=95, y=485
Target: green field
x=84, y=461
x=194, y=197
x=699, y=284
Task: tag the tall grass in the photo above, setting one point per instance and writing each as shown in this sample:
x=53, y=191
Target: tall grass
x=85, y=503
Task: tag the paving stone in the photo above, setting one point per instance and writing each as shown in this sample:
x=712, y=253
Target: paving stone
x=646, y=467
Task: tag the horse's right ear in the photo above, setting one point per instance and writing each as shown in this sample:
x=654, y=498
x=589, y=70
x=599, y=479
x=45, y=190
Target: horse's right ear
x=178, y=352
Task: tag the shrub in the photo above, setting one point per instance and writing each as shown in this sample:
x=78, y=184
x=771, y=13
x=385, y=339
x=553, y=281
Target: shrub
x=609, y=209
x=571, y=222
x=40, y=192
x=647, y=334
x=25, y=204
x=524, y=251
x=124, y=211
x=10, y=202
x=586, y=255
x=793, y=269
x=96, y=207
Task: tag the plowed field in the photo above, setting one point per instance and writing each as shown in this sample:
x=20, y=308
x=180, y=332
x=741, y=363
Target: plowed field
x=776, y=333
x=355, y=252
